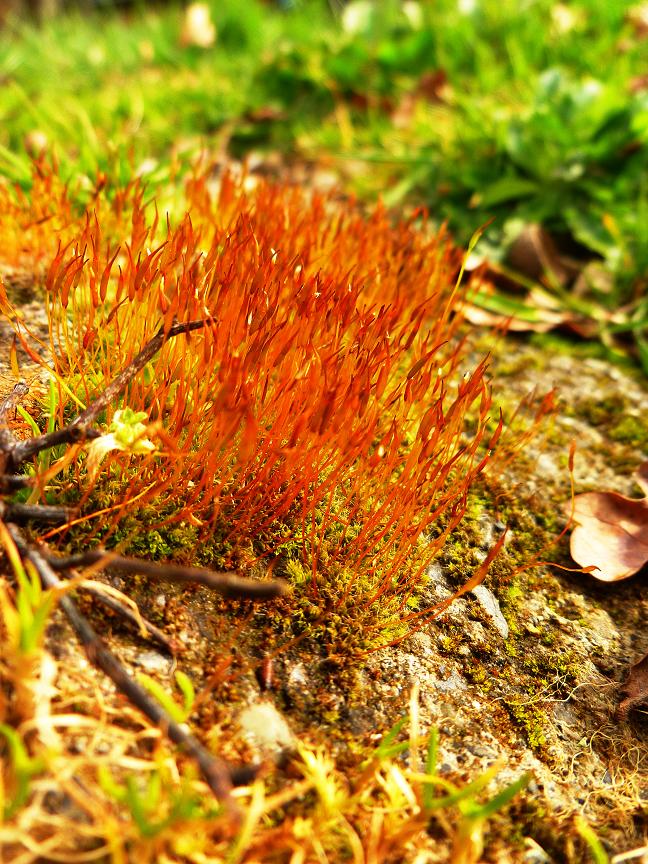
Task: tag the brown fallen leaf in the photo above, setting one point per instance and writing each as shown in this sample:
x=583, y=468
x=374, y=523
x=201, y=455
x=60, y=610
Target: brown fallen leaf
x=484, y=318
x=635, y=688
x=500, y=301
x=432, y=87
x=264, y=114
x=534, y=253
x=611, y=531
x=638, y=84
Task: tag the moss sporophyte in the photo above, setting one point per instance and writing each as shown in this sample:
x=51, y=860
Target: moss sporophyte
x=319, y=414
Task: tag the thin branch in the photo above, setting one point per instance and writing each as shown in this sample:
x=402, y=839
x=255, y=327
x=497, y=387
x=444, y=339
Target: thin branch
x=44, y=513
x=123, y=378
x=227, y=584
x=9, y=403
x=216, y=772
x=12, y=482
x=22, y=451
x=138, y=621
x=79, y=429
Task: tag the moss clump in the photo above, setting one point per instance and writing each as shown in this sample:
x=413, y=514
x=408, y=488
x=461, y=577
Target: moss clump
x=599, y=411
x=333, y=610
x=549, y=667
x=336, y=416
x=155, y=531
x=631, y=430
x=532, y=719
x=612, y=413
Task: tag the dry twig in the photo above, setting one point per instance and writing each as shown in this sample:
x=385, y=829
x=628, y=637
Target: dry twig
x=79, y=429
x=227, y=584
x=214, y=770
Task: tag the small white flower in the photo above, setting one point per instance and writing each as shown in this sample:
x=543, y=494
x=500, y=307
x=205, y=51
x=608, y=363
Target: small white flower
x=126, y=432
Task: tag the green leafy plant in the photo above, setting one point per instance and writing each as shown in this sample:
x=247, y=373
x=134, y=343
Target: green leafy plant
x=467, y=799
x=596, y=848
x=25, y=619
x=22, y=768
x=44, y=460
x=154, y=804
x=179, y=713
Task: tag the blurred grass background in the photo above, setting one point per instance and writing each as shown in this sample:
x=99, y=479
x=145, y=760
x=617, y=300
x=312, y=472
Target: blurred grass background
x=530, y=113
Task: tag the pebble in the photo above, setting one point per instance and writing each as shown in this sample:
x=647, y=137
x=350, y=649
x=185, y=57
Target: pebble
x=151, y=661
x=266, y=730
x=452, y=684
x=490, y=604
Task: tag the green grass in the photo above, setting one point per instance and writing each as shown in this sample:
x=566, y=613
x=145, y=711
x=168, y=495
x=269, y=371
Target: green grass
x=111, y=91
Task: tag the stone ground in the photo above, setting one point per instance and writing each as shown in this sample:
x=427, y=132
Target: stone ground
x=526, y=671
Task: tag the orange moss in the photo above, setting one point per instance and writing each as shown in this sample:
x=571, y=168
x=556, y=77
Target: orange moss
x=329, y=389
x=31, y=224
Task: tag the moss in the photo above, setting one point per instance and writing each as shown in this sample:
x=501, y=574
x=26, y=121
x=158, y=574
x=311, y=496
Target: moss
x=532, y=673
x=517, y=365
x=598, y=410
x=631, y=430
x=511, y=648
x=532, y=719
x=450, y=642
x=359, y=621
x=535, y=672
x=480, y=676
x=297, y=573
x=514, y=594
x=612, y=413
x=155, y=545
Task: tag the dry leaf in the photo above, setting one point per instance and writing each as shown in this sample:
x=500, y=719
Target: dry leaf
x=534, y=254
x=638, y=84
x=484, y=318
x=501, y=303
x=197, y=26
x=611, y=533
x=264, y=114
x=635, y=688
x=431, y=87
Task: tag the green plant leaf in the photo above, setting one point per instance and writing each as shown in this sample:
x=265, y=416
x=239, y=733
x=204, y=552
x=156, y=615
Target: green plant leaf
x=24, y=769
x=430, y=766
x=506, y=189
x=165, y=699
x=185, y=685
x=599, y=855
x=485, y=811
